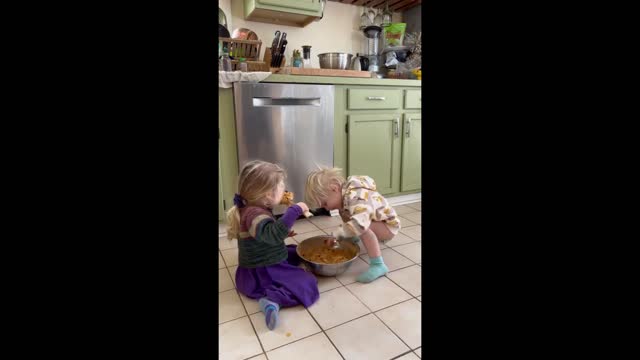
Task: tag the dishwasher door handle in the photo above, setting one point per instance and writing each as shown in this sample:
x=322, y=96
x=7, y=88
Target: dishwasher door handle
x=267, y=102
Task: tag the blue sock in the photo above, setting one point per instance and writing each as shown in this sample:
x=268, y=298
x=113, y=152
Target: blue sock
x=377, y=268
x=270, y=310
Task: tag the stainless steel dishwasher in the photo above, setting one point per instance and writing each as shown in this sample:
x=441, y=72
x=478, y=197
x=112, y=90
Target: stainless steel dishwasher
x=287, y=124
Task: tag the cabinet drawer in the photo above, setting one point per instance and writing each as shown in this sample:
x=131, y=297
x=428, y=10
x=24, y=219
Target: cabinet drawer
x=412, y=99
x=374, y=99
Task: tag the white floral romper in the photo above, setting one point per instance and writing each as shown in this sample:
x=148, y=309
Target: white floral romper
x=362, y=204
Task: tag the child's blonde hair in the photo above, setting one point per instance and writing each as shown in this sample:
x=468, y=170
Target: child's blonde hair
x=257, y=180
x=318, y=181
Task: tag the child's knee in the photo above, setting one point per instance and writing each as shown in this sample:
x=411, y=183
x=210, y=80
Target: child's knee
x=381, y=230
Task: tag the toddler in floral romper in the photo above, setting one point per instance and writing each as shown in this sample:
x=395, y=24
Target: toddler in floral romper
x=365, y=212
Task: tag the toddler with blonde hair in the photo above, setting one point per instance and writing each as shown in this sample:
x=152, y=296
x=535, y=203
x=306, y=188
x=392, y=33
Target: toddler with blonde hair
x=268, y=268
x=366, y=214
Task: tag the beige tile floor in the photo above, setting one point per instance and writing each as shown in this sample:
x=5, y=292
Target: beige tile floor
x=352, y=321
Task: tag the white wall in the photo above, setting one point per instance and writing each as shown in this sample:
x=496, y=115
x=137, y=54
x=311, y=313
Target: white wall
x=336, y=32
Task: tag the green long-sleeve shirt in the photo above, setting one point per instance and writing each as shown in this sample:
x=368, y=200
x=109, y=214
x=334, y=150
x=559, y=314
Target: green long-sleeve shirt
x=261, y=240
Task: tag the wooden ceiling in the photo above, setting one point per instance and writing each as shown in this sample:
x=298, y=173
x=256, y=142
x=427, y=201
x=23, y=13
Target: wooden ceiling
x=394, y=5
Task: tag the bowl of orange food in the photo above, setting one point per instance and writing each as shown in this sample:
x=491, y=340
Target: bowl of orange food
x=325, y=260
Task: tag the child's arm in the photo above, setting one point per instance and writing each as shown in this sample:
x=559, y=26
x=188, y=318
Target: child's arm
x=264, y=228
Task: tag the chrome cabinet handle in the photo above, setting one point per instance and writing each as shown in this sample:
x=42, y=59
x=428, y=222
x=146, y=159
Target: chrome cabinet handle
x=408, y=127
x=396, y=126
x=375, y=97
x=269, y=102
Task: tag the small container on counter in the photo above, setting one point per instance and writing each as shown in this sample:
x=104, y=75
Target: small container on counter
x=297, y=59
x=226, y=61
x=243, y=64
x=306, y=56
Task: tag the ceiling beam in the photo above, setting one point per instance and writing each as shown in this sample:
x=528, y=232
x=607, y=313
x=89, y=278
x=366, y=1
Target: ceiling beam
x=401, y=4
x=377, y=3
x=394, y=2
x=409, y=6
x=394, y=5
x=352, y=2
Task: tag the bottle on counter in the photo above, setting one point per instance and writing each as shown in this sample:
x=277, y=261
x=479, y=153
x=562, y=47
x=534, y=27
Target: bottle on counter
x=243, y=64
x=226, y=61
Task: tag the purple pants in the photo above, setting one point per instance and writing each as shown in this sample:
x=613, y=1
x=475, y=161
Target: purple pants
x=284, y=283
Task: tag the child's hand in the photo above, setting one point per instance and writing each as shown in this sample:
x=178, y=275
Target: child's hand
x=331, y=242
x=340, y=234
x=303, y=206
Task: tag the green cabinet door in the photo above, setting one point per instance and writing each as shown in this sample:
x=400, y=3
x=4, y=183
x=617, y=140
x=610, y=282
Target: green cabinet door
x=411, y=152
x=298, y=13
x=374, y=149
x=292, y=5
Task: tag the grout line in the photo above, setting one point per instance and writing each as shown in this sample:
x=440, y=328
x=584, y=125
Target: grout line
x=325, y=334
x=248, y=318
x=254, y=329
x=393, y=332
x=295, y=341
x=356, y=296
x=228, y=321
x=354, y=319
x=221, y=257
x=370, y=312
x=390, y=329
x=403, y=354
x=400, y=268
x=232, y=283
x=255, y=332
x=398, y=285
x=398, y=303
x=246, y=313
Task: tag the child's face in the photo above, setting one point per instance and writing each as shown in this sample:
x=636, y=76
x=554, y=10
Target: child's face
x=278, y=194
x=334, y=199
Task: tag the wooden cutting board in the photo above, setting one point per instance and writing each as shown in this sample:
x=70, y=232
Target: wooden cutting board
x=324, y=72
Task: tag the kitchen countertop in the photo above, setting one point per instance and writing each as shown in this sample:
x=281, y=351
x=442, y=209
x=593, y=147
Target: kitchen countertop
x=302, y=79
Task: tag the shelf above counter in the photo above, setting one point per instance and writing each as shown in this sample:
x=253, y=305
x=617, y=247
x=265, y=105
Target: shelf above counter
x=394, y=5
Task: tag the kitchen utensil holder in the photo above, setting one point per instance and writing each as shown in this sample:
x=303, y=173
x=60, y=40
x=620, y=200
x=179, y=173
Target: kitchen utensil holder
x=248, y=49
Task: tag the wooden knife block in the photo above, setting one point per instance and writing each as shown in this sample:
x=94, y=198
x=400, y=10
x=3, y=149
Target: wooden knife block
x=267, y=59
